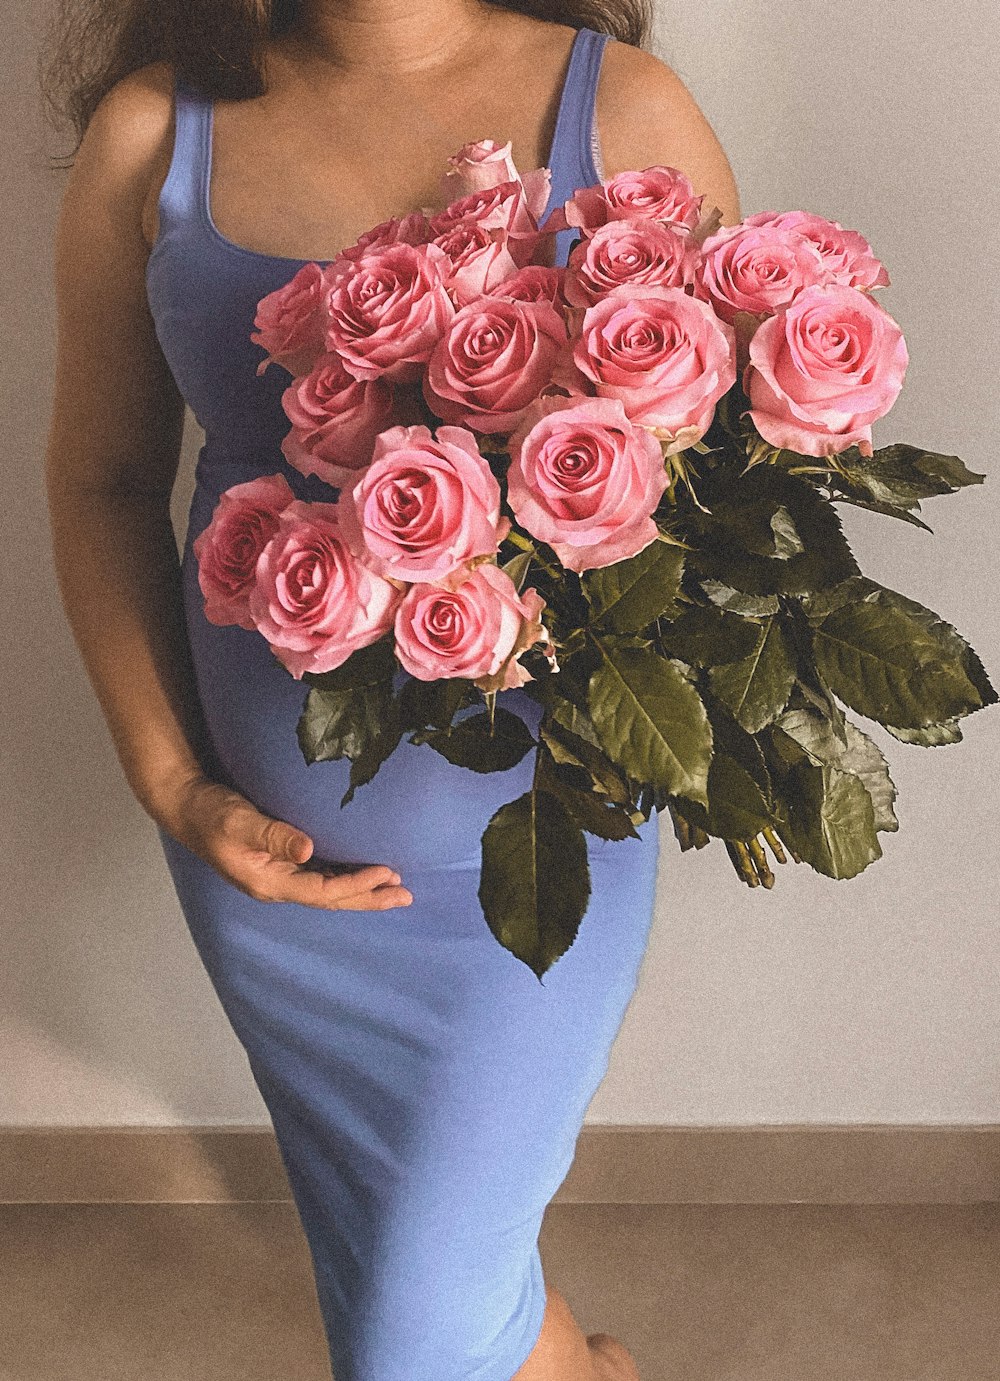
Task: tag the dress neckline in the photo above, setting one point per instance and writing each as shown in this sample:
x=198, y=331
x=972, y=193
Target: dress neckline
x=208, y=124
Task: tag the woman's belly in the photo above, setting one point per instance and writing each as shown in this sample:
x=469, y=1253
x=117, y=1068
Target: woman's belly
x=419, y=812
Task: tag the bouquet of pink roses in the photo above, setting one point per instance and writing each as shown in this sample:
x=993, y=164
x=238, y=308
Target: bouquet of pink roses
x=611, y=484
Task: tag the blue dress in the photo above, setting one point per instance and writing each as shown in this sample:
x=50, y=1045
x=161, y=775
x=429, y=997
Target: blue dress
x=426, y=1089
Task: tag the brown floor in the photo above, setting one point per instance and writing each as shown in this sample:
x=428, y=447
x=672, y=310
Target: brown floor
x=223, y=1292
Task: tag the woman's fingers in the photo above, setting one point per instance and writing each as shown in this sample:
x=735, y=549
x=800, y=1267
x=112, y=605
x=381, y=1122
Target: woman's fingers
x=372, y=887
x=285, y=878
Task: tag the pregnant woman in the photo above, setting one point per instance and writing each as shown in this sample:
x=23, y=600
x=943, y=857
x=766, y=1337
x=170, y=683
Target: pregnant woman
x=425, y=1088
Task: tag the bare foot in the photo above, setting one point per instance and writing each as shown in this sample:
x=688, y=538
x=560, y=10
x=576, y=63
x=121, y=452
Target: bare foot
x=612, y=1359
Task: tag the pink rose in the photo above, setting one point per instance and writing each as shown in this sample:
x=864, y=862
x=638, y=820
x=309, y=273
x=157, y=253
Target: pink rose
x=586, y=480
x=664, y=353
x=480, y=260
x=756, y=269
x=475, y=631
x=388, y=309
x=658, y=193
x=425, y=507
x=411, y=229
x=483, y=164
x=244, y=521
x=335, y=419
x=847, y=256
x=534, y=283
x=495, y=358
x=629, y=253
x=291, y=321
x=823, y=370
x=312, y=600
x=503, y=206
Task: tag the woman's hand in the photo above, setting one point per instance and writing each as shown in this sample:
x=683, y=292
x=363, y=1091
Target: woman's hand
x=267, y=858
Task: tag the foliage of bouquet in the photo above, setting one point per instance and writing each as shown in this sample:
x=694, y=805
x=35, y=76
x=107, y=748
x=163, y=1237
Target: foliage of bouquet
x=611, y=484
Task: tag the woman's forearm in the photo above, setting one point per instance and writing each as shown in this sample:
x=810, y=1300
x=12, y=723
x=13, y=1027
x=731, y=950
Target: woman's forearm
x=119, y=576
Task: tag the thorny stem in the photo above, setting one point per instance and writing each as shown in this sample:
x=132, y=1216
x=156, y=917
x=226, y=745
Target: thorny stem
x=760, y=861
x=740, y=856
x=775, y=844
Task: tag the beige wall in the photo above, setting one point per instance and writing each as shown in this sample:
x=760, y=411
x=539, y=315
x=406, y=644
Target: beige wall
x=874, y=1000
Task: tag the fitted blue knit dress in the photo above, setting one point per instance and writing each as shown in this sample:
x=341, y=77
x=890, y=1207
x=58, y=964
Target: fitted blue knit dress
x=425, y=1088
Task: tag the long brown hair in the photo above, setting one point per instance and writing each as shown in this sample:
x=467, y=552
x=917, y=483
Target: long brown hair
x=218, y=45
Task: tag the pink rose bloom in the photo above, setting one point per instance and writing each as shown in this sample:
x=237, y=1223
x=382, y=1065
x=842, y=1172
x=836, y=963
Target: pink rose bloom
x=664, y=353
x=658, y=193
x=425, y=507
x=756, y=269
x=503, y=206
x=475, y=631
x=244, y=521
x=495, y=358
x=629, y=253
x=411, y=229
x=534, y=283
x=823, y=370
x=312, y=600
x=480, y=260
x=388, y=309
x=586, y=480
x=335, y=419
x=847, y=256
x=483, y=164
x=291, y=321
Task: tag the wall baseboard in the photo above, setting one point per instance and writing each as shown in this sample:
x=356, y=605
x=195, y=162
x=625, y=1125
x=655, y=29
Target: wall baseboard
x=813, y=1163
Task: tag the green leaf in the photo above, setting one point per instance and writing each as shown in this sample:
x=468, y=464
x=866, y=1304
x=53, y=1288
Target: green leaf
x=517, y=568
x=375, y=751
x=568, y=747
x=749, y=606
x=629, y=595
x=894, y=660
x=785, y=540
x=470, y=743
x=534, y=882
x=650, y=719
x=811, y=688
x=887, y=509
x=737, y=808
x=591, y=809
x=707, y=636
x=731, y=738
x=572, y=718
x=342, y=723
x=364, y=667
x=767, y=532
x=861, y=755
x=829, y=819
x=434, y=702
x=928, y=735
x=756, y=688
x=900, y=476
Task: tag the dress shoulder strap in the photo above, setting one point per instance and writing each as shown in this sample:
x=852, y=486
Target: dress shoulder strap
x=575, y=149
x=182, y=196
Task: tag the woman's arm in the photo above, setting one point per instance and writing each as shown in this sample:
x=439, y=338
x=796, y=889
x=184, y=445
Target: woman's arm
x=113, y=449
x=110, y=466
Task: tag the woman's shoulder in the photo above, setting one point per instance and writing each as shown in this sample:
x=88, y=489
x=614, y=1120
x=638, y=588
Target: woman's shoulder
x=131, y=126
x=127, y=145
x=646, y=115
x=141, y=99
